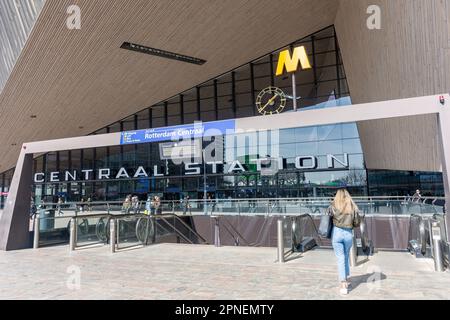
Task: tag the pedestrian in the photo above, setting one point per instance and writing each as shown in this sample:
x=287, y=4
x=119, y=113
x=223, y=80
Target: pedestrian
x=417, y=196
x=126, y=205
x=148, y=205
x=157, y=205
x=135, y=204
x=82, y=204
x=346, y=217
x=33, y=209
x=89, y=204
x=186, y=205
x=60, y=202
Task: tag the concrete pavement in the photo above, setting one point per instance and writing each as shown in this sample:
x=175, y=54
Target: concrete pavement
x=178, y=271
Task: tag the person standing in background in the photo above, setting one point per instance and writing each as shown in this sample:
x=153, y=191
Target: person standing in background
x=417, y=196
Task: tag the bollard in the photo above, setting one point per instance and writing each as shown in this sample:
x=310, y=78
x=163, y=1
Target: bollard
x=280, y=237
x=36, y=232
x=353, y=252
x=112, y=234
x=437, y=247
x=73, y=233
x=216, y=232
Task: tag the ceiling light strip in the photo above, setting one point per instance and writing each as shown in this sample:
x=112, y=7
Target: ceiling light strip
x=162, y=53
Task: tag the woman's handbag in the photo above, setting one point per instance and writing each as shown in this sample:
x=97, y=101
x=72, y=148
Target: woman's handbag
x=356, y=219
x=326, y=225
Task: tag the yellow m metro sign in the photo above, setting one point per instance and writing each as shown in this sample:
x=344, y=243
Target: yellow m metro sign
x=291, y=63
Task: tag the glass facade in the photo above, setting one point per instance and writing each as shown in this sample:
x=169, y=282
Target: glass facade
x=229, y=96
x=237, y=166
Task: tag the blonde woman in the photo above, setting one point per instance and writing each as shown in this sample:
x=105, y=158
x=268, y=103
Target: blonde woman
x=346, y=216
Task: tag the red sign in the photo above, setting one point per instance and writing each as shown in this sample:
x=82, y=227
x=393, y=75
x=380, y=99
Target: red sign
x=3, y=193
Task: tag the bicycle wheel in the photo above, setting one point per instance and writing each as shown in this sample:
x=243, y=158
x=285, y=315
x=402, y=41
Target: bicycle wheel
x=145, y=230
x=82, y=227
x=102, y=229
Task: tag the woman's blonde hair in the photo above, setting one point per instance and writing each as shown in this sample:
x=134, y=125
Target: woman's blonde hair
x=343, y=202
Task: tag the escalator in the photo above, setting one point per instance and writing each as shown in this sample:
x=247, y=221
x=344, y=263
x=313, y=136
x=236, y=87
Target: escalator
x=419, y=237
x=428, y=239
x=171, y=226
x=143, y=230
x=302, y=235
x=365, y=245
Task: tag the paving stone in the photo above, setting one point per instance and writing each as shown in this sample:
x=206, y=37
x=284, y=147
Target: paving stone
x=176, y=271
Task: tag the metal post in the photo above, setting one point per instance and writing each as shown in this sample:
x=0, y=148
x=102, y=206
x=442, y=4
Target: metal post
x=36, y=232
x=437, y=247
x=353, y=252
x=216, y=232
x=444, y=144
x=294, y=91
x=438, y=256
x=280, y=238
x=73, y=233
x=205, y=209
x=112, y=234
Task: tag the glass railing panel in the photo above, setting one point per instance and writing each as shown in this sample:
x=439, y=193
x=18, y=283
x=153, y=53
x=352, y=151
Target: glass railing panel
x=287, y=234
x=184, y=226
x=163, y=228
x=53, y=230
x=92, y=230
x=116, y=208
x=127, y=231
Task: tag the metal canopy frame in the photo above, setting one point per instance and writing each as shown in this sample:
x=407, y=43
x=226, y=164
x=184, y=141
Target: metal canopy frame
x=14, y=222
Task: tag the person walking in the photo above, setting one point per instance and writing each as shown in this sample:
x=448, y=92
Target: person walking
x=186, y=205
x=417, y=196
x=135, y=204
x=59, y=205
x=126, y=206
x=346, y=217
x=89, y=204
x=148, y=205
x=157, y=205
x=82, y=204
x=33, y=209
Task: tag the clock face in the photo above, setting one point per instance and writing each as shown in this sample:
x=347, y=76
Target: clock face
x=271, y=100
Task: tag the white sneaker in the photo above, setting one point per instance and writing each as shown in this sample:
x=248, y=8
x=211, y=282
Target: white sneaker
x=343, y=291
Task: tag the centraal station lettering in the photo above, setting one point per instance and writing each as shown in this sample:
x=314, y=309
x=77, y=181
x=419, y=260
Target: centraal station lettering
x=190, y=168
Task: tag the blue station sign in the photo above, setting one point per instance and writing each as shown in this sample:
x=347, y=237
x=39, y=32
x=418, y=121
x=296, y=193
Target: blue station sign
x=176, y=133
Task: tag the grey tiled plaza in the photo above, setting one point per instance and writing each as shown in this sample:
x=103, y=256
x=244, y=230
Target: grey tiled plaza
x=178, y=271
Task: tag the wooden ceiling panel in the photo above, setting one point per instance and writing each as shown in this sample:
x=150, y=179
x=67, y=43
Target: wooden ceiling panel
x=81, y=78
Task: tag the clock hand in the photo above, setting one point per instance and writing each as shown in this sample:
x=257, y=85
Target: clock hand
x=269, y=102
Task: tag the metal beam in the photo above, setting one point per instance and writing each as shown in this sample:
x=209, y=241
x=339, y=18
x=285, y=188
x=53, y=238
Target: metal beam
x=443, y=119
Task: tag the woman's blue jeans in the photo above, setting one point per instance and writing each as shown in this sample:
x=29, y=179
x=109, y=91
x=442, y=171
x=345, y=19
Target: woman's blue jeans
x=342, y=240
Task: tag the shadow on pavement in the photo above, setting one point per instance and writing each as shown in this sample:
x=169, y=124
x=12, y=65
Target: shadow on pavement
x=361, y=262
x=367, y=278
x=293, y=256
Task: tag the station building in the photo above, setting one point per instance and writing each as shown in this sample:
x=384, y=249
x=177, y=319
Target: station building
x=134, y=65
x=259, y=99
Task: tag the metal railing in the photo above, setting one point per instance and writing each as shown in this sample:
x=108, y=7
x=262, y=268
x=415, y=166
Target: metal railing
x=92, y=218
x=418, y=236
x=254, y=206
x=428, y=238
x=300, y=234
